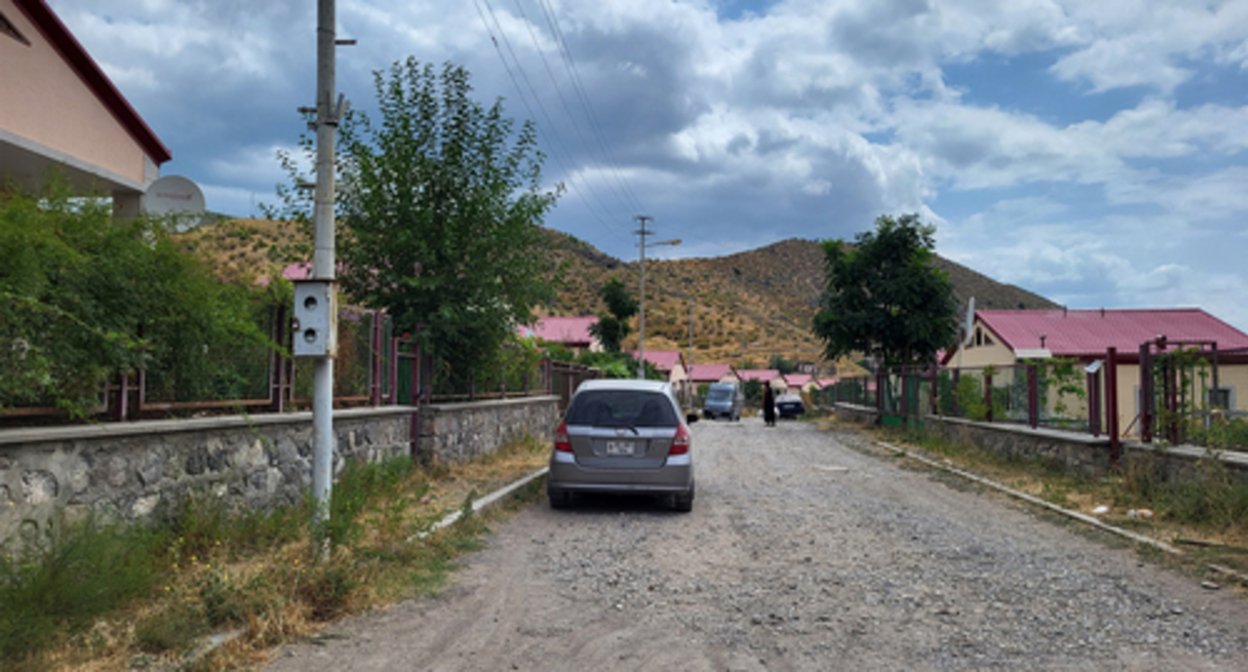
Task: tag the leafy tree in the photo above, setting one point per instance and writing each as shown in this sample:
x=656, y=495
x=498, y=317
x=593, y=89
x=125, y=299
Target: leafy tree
x=612, y=326
x=83, y=297
x=883, y=296
x=753, y=389
x=782, y=364
x=439, y=214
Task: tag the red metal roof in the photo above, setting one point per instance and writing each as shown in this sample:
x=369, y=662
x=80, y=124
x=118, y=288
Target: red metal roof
x=797, y=379
x=1074, y=333
x=68, y=47
x=708, y=373
x=663, y=360
x=572, y=331
x=764, y=375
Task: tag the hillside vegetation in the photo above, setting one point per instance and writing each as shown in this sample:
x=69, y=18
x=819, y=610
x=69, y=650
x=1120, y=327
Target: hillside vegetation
x=746, y=306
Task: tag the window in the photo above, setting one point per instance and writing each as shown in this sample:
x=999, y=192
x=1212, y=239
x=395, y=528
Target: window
x=622, y=408
x=7, y=28
x=1222, y=397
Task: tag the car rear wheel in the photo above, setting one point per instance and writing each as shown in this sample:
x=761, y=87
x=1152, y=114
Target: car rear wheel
x=684, y=501
x=559, y=499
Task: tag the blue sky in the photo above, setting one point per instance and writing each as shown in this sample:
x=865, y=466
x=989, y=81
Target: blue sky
x=1093, y=152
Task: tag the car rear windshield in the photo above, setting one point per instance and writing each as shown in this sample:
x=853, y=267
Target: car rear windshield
x=719, y=394
x=622, y=408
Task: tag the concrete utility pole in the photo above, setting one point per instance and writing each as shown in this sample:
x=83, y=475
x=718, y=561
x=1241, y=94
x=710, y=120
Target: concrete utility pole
x=327, y=114
x=641, y=319
x=641, y=331
x=689, y=372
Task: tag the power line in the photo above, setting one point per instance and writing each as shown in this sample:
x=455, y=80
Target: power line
x=564, y=101
x=570, y=64
x=537, y=99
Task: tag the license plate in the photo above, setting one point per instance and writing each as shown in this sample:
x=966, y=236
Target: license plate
x=620, y=447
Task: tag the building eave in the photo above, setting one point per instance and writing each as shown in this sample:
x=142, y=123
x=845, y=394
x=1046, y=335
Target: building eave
x=42, y=16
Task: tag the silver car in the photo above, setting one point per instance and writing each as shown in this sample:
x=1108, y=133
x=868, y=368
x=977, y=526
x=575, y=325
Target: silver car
x=622, y=436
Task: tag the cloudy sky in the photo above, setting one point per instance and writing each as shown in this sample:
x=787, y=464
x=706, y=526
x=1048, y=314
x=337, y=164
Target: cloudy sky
x=1094, y=152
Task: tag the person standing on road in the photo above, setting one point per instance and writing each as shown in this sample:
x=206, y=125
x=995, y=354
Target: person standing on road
x=769, y=405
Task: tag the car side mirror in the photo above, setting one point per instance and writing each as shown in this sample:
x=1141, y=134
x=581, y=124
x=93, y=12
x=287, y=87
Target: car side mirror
x=691, y=418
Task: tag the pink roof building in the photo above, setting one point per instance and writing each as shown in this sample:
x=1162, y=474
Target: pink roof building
x=571, y=332
x=58, y=109
x=663, y=360
x=712, y=373
x=1002, y=338
x=769, y=376
x=798, y=382
x=1086, y=334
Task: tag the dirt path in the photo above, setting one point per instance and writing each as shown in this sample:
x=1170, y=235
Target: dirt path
x=801, y=554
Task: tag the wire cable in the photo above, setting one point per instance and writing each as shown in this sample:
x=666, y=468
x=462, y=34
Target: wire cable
x=537, y=99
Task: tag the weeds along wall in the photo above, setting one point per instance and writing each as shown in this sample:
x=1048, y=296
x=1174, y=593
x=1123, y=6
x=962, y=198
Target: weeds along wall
x=129, y=471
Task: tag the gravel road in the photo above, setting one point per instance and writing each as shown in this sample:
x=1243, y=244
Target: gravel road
x=805, y=551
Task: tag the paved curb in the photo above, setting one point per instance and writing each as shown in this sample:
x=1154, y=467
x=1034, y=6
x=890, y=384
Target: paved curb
x=1030, y=499
x=477, y=505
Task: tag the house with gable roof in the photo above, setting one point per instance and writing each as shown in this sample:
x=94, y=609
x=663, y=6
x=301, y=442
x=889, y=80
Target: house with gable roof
x=59, y=111
x=705, y=374
x=1006, y=337
x=768, y=376
x=570, y=332
x=671, y=363
x=797, y=383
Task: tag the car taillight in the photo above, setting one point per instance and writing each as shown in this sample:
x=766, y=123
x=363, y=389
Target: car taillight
x=562, y=444
x=680, y=442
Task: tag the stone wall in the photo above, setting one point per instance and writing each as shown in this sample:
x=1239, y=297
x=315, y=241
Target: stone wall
x=126, y=470
x=1074, y=451
x=460, y=432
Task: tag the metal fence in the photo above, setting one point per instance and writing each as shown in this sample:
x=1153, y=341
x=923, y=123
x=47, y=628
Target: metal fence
x=1182, y=394
x=374, y=366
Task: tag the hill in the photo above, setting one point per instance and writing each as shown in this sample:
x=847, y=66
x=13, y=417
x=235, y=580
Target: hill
x=759, y=302
x=745, y=307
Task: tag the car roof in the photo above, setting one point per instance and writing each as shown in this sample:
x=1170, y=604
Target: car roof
x=625, y=384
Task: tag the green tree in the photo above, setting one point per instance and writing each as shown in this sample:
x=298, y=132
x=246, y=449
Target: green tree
x=782, y=364
x=612, y=326
x=753, y=389
x=883, y=296
x=439, y=214
x=84, y=297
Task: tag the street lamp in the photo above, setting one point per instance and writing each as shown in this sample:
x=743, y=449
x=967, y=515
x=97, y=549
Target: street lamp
x=641, y=331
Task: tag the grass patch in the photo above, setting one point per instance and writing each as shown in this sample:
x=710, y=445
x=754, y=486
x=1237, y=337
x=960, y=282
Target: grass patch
x=109, y=597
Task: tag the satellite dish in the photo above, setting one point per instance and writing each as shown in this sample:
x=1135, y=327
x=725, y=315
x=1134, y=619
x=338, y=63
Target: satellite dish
x=178, y=197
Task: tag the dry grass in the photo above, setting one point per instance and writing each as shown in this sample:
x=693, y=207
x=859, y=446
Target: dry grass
x=281, y=593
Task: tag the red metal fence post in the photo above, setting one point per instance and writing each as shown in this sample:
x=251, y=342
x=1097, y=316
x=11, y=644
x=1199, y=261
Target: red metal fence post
x=1033, y=397
x=1094, y=403
x=1111, y=405
x=393, y=396
x=1146, y=393
x=880, y=377
x=988, y=395
x=935, y=371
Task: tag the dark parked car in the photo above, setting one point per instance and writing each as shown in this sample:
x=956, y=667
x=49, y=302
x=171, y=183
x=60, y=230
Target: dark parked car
x=622, y=436
x=789, y=406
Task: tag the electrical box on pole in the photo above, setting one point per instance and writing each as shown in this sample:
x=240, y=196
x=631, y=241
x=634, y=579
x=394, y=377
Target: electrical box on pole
x=316, y=319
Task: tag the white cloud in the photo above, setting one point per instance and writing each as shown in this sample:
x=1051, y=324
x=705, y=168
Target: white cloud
x=809, y=117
